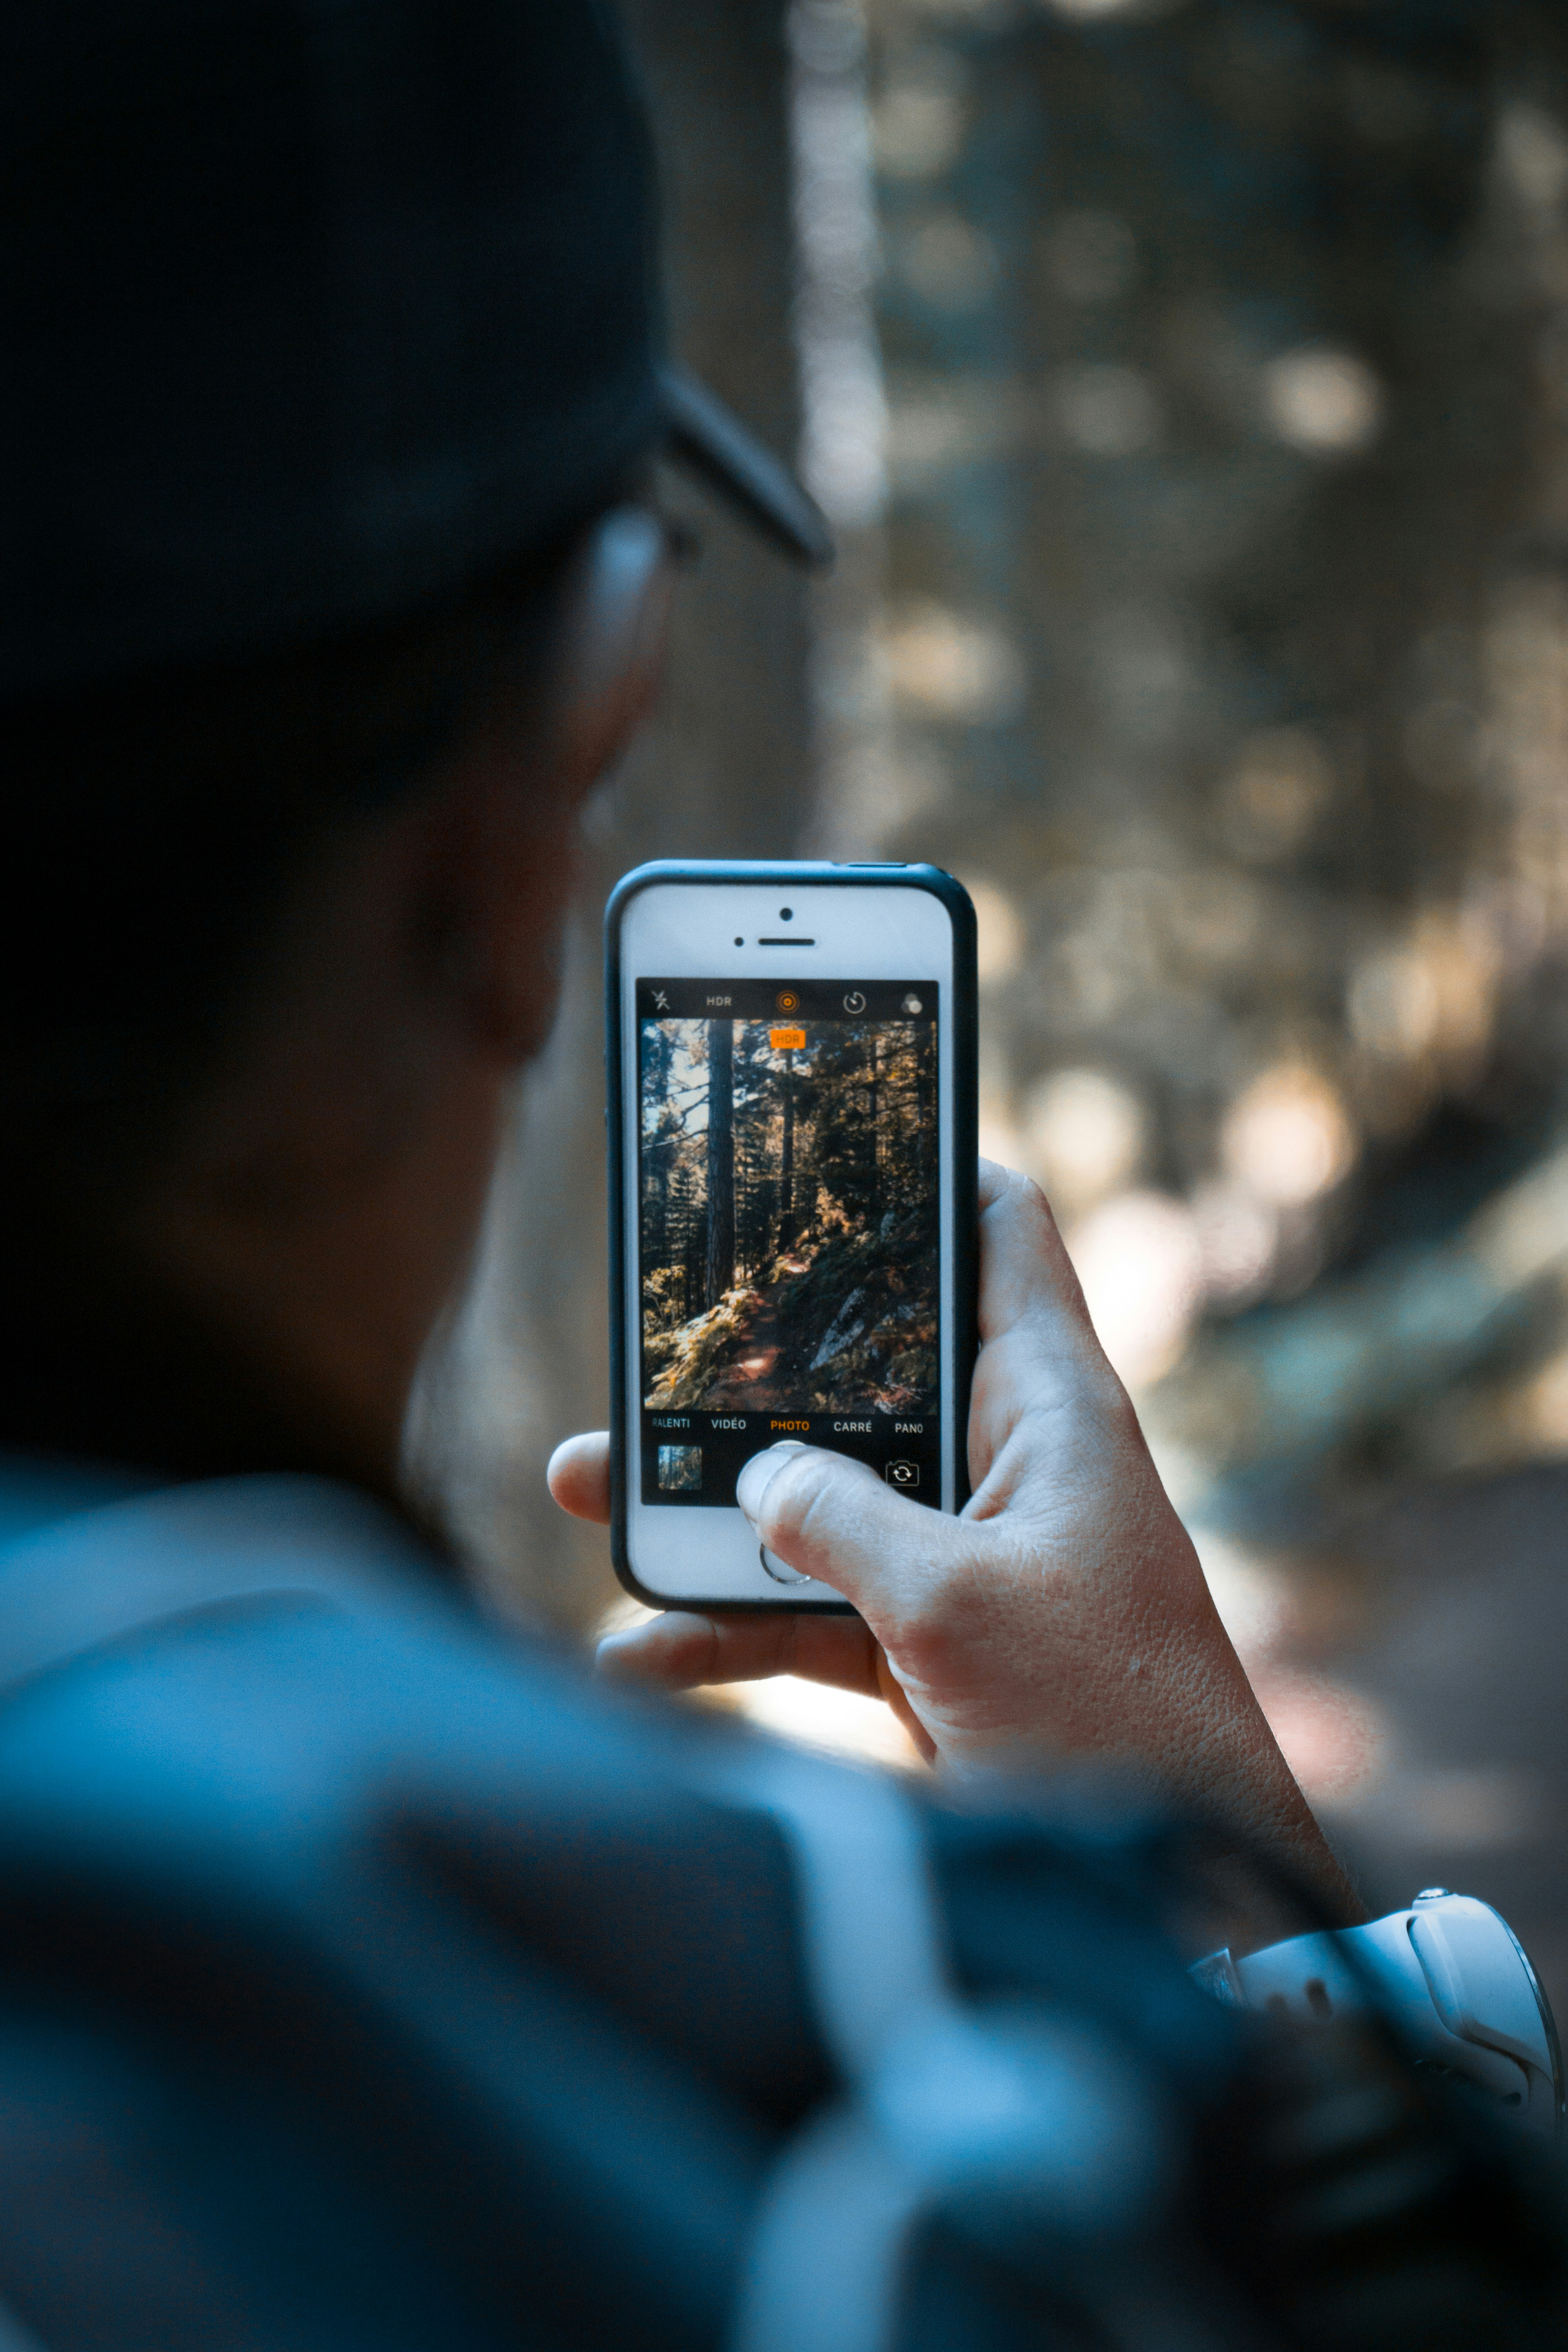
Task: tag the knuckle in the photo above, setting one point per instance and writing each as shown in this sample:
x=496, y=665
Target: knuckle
x=709, y=1648
x=1117, y=1410
x=787, y=1502
x=816, y=1506
x=805, y=1502
x=1024, y=1200
x=808, y=1511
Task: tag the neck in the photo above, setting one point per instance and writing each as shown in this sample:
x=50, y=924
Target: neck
x=103, y=1365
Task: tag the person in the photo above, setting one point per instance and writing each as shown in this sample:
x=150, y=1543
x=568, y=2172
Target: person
x=370, y=1976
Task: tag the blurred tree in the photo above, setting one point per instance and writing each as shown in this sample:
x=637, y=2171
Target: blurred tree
x=1221, y=343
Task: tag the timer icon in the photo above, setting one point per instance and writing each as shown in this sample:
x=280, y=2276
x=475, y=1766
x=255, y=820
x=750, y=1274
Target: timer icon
x=855, y=1001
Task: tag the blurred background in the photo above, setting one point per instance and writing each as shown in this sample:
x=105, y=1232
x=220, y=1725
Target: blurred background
x=1188, y=386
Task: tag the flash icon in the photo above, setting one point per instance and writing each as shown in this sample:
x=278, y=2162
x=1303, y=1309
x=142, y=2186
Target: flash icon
x=661, y=1001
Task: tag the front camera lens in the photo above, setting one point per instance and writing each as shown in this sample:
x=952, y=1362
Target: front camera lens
x=740, y=943
x=786, y=914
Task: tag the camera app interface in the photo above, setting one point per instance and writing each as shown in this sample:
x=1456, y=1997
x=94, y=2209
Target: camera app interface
x=788, y=1176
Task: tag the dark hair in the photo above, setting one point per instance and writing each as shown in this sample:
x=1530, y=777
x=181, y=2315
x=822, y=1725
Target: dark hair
x=154, y=827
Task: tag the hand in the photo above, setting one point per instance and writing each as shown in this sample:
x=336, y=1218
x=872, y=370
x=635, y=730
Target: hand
x=1063, y=1613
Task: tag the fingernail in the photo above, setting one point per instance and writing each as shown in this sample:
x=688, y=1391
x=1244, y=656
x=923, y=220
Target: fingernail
x=759, y=1475
x=610, y=1658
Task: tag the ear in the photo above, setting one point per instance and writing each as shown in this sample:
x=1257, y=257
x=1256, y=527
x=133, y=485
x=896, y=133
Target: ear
x=611, y=648
x=514, y=844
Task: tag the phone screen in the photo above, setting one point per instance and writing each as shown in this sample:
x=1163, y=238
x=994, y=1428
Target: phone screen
x=788, y=1228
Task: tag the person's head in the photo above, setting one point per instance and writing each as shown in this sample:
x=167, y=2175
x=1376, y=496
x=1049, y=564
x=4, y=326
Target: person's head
x=329, y=589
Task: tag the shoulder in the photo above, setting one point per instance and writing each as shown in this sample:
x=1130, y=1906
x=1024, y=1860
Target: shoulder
x=331, y=1919
x=213, y=1698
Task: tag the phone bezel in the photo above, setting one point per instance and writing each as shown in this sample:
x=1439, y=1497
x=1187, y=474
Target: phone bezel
x=959, y=1096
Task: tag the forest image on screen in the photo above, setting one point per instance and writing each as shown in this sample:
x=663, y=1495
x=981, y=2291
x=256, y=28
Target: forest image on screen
x=789, y=1225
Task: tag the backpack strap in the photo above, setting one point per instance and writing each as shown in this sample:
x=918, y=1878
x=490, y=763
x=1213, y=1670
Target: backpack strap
x=825, y=2258
x=996, y=2114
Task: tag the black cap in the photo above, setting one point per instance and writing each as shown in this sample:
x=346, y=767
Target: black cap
x=314, y=310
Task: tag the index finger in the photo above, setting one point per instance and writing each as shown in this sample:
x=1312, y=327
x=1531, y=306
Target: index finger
x=1026, y=1277
x=1038, y=1348
x=682, y=1649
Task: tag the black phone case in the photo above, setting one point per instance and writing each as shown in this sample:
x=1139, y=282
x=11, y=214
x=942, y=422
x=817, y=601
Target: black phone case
x=965, y=1157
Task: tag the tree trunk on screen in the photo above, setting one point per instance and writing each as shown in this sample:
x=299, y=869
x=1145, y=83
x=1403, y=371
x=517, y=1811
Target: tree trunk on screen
x=874, y=1056
x=787, y=1166
x=720, y=1160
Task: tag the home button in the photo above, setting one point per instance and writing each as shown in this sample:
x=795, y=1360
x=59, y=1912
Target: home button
x=778, y=1569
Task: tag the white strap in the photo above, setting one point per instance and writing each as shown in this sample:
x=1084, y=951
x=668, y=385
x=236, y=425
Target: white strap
x=870, y=1930
x=828, y=2249
x=941, y=2098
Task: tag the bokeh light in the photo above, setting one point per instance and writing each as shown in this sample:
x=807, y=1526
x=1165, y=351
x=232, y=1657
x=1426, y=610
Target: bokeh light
x=1287, y=1138
x=1141, y=1264
x=1327, y=401
x=1083, y=1137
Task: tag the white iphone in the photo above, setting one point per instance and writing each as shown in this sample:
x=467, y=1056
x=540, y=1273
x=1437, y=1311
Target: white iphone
x=791, y=1122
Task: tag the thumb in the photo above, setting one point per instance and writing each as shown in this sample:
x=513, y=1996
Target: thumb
x=836, y=1520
